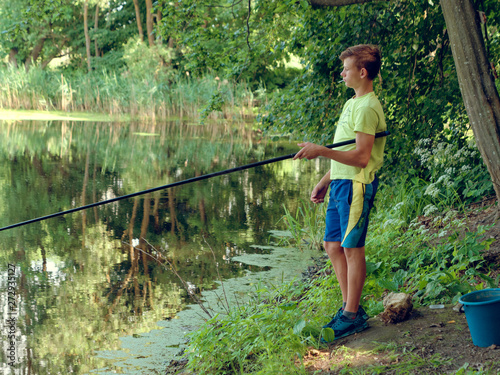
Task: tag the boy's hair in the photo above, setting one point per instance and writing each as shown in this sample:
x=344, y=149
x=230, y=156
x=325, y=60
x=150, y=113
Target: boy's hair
x=365, y=56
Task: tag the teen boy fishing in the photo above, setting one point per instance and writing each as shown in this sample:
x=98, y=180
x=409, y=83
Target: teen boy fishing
x=353, y=183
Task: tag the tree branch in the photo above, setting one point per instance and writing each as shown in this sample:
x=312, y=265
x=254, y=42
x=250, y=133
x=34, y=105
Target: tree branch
x=339, y=3
x=224, y=6
x=248, y=24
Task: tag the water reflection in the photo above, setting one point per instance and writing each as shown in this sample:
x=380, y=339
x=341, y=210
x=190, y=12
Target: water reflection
x=80, y=287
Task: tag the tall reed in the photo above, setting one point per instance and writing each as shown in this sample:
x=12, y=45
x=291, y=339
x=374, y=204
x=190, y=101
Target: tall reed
x=152, y=95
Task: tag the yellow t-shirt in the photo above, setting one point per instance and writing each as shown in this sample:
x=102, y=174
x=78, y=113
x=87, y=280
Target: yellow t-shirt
x=365, y=115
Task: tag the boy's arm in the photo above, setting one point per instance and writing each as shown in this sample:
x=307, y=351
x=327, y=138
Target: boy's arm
x=357, y=157
x=319, y=192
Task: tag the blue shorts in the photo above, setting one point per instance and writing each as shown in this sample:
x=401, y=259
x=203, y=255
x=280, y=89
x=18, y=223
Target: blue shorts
x=348, y=210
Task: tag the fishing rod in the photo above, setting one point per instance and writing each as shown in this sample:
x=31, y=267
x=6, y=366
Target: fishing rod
x=183, y=182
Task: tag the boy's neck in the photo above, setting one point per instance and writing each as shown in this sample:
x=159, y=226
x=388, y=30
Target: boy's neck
x=364, y=89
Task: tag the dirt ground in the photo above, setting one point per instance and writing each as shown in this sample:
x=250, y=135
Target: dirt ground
x=430, y=341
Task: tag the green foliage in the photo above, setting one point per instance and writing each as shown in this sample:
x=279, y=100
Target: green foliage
x=457, y=174
x=34, y=32
x=26, y=24
x=305, y=228
x=143, y=61
x=254, y=338
x=215, y=104
x=231, y=40
x=158, y=92
x=456, y=177
x=465, y=370
x=437, y=261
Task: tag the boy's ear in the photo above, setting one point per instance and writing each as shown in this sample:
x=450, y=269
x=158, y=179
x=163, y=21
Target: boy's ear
x=364, y=72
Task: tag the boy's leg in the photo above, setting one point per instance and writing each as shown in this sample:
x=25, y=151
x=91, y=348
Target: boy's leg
x=348, y=213
x=350, y=268
x=354, y=209
x=339, y=262
x=356, y=275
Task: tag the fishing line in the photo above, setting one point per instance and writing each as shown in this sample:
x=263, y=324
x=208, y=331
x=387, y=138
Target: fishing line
x=183, y=182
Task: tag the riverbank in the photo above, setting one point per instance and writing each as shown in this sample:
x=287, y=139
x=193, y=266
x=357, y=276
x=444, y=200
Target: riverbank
x=124, y=95
x=38, y=115
x=431, y=341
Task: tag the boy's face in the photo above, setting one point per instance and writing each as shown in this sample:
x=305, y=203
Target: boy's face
x=352, y=75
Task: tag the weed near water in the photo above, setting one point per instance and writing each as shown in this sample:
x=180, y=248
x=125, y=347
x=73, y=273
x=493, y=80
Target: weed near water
x=304, y=228
x=254, y=338
x=152, y=94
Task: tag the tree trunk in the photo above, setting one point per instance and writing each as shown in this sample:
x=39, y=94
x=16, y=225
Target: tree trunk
x=476, y=81
x=158, y=20
x=35, y=53
x=54, y=54
x=138, y=19
x=149, y=22
x=96, y=26
x=13, y=57
x=86, y=31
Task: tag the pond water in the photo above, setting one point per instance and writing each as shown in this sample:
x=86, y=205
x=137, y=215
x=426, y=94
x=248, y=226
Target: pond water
x=76, y=296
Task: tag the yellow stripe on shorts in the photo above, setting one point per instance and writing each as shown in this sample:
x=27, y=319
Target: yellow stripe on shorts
x=358, y=199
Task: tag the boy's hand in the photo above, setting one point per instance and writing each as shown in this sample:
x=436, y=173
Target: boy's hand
x=319, y=192
x=309, y=151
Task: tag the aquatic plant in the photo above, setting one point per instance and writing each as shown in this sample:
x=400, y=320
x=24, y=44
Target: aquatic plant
x=154, y=94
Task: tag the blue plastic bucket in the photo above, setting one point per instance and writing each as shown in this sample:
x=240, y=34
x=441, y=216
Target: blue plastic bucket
x=482, y=311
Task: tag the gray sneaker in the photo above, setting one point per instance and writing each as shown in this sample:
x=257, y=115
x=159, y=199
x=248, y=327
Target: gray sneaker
x=338, y=314
x=362, y=313
x=344, y=326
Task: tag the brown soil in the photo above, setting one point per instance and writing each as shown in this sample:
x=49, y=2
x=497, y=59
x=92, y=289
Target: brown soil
x=430, y=341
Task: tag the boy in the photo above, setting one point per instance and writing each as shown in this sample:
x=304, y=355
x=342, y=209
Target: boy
x=353, y=183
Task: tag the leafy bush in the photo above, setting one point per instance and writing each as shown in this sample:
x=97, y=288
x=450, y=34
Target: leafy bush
x=144, y=61
x=254, y=338
x=457, y=174
x=435, y=262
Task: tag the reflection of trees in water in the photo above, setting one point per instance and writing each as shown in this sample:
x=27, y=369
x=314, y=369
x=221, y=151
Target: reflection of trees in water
x=87, y=283
x=73, y=300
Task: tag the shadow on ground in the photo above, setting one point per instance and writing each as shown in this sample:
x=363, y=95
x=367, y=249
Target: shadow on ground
x=431, y=341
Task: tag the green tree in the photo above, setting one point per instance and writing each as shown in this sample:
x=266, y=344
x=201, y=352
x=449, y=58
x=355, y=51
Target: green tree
x=35, y=30
x=231, y=38
x=474, y=71
x=421, y=81
x=98, y=5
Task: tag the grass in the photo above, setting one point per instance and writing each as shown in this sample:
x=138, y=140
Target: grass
x=149, y=95
x=304, y=228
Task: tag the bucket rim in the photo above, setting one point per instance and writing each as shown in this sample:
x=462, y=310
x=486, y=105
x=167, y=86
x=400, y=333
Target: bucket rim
x=479, y=302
